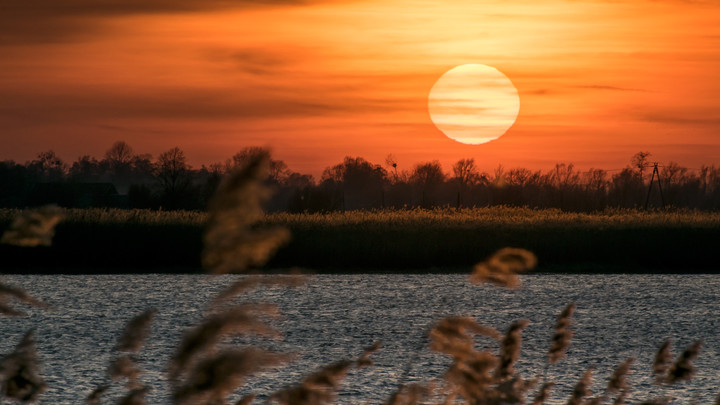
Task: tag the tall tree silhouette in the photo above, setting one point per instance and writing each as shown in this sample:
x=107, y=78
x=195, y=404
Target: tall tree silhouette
x=173, y=174
x=640, y=162
x=428, y=177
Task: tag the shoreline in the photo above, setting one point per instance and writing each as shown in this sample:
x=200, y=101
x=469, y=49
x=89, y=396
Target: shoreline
x=440, y=241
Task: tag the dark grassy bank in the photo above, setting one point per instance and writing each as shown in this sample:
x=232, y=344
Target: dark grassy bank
x=91, y=241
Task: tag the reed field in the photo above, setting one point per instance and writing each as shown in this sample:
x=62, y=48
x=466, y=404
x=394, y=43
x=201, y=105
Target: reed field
x=398, y=240
x=207, y=367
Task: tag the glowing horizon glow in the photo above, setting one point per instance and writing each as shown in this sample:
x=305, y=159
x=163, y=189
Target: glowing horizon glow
x=473, y=104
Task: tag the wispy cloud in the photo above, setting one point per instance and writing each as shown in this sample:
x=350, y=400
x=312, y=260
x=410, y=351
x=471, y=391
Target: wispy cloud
x=49, y=21
x=610, y=88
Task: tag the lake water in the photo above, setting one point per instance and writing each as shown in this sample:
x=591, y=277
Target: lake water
x=335, y=316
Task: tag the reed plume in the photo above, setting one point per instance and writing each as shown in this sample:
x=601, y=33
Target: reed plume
x=95, y=397
x=134, y=397
x=241, y=320
x=364, y=360
x=513, y=390
x=317, y=388
x=135, y=332
x=34, y=227
x=410, y=394
x=213, y=378
x=581, y=389
x=683, y=369
x=8, y=293
x=618, y=380
x=543, y=394
x=321, y=386
x=252, y=282
x=124, y=367
x=510, y=349
x=232, y=242
x=454, y=335
x=661, y=364
x=562, y=336
x=471, y=375
x=20, y=378
x=622, y=396
x=246, y=400
x=503, y=266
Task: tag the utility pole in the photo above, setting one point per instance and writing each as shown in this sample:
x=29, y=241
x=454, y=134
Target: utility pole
x=655, y=171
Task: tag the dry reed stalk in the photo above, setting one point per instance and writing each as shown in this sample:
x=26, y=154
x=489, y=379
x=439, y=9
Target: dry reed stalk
x=514, y=390
x=134, y=397
x=246, y=400
x=20, y=378
x=618, y=380
x=34, y=227
x=214, y=377
x=510, y=349
x=123, y=367
x=581, y=389
x=135, y=332
x=622, y=396
x=95, y=396
x=543, y=394
x=231, y=242
x=316, y=389
x=321, y=386
x=471, y=375
x=503, y=266
x=252, y=282
x=562, y=336
x=241, y=320
x=8, y=293
x=364, y=360
x=454, y=335
x=683, y=369
x=410, y=394
x=663, y=359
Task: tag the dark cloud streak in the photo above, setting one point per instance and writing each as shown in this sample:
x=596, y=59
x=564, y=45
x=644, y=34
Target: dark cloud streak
x=51, y=21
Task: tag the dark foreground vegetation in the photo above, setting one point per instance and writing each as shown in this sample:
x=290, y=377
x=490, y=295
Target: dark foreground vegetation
x=116, y=240
x=125, y=179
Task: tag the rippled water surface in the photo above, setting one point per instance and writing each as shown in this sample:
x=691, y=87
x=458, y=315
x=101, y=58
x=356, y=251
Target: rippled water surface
x=336, y=316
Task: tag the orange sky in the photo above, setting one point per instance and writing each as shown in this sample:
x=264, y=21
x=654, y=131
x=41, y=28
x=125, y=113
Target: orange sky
x=318, y=80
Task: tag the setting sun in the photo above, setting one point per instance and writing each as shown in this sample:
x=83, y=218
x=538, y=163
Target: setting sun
x=473, y=104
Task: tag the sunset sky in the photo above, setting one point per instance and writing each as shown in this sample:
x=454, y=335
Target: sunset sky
x=318, y=80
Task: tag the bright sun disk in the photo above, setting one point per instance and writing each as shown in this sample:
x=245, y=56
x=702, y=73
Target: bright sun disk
x=473, y=103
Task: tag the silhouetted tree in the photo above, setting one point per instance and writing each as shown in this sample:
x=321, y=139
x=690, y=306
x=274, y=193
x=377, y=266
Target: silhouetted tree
x=86, y=169
x=14, y=184
x=173, y=174
x=640, y=162
x=277, y=171
x=360, y=182
x=119, y=155
x=428, y=177
x=596, y=186
x=627, y=189
x=392, y=165
x=466, y=173
x=48, y=167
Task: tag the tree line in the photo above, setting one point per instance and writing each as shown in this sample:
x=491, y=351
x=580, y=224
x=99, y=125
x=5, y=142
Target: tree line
x=123, y=178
